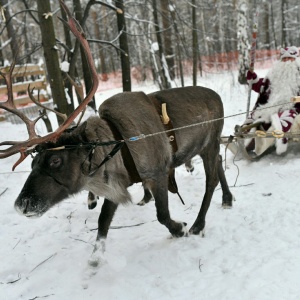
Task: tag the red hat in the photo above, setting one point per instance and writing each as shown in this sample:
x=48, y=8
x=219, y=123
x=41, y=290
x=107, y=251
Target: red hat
x=289, y=52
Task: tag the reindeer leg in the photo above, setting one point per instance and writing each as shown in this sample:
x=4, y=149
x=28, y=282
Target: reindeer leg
x=107, y=212
x=92, y=200
x=189, y=166
x=159, y=189
x=147, y=197
x=210, y=162
x=227, y=196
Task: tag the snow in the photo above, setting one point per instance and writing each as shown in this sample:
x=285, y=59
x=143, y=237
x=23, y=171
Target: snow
x=248, y=252
x=171, y=8
x=154, y=47
x=64, y=66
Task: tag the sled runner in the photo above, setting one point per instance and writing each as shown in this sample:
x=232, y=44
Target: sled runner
x=265, y=140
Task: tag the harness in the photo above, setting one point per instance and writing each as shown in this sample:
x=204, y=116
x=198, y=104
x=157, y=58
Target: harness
x=127, y=157
x=119, y=144
x=161, y=109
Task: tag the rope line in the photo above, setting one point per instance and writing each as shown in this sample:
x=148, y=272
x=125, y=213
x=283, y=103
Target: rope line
x=143, y=136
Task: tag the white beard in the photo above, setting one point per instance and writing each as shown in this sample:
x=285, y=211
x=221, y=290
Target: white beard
x=285, y=83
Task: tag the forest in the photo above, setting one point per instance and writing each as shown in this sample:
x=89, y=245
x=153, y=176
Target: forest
x=248, y=252
x=142, y=40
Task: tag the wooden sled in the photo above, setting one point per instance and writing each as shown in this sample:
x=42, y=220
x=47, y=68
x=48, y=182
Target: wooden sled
x=243, y=132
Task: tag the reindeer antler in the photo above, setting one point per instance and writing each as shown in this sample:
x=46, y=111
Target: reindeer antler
x=25, y=147
x=38, y=103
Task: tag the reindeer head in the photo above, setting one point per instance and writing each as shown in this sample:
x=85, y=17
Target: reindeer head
x=56, y=173
x=48, y=164
x=25, y=147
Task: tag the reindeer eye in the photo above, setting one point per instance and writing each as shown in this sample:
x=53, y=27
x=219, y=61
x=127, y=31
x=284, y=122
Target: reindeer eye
x=55, y=161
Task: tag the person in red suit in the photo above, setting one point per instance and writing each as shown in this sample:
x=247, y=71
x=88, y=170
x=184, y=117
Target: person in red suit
x=274, y=107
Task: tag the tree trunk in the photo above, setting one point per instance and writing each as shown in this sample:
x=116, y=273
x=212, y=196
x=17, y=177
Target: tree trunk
x=203, y=26
x=195, y=43
x=88, y=82
x=267, y=41
x=51, y=57
x=162, y=70
x=283, y=24
x=298, y=21
x=243, y=42
x=125, y=63
x=72, y=69
x=1, y=56
x=221, y=34
x=141, y=59
x=10, y=29
x=178, y=42
x=273, y=25
x=27, y=56
x=167, y=33
x=103, y=67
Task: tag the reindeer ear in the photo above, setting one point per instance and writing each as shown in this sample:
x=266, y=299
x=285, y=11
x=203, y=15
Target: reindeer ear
x=79, y=133
x=82, y=128
x=91, y=128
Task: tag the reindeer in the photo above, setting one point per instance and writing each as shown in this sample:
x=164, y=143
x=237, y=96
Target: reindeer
x=126, y=144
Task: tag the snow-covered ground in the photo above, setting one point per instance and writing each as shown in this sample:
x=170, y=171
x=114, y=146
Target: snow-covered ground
x=249, y=252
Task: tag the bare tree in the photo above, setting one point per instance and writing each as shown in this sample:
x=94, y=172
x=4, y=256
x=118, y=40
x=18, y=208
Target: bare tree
x=51, y=56
x=266, y=27
x=195, y=43
x=283, y=24
x=85, y=68
x=11, y=32
x=273, y=26
x=164, y=82
x=203, y=26
x=125, y=63
x=221, y=25
x=178, y=43
x=243, y=41
x=167, y=34
x=68, y=57
x=97, y=33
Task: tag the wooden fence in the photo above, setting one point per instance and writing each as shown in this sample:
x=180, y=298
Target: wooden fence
x=22, y=77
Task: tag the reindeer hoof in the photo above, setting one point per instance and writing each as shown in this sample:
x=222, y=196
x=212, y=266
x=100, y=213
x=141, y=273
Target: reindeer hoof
x=190, y=170
x=92, y=200
x=227, y=201
x=182, y=232
x=97, y=258
x=226, y=205
x=197, y=228
x=197, y=231
x=143, y=201
x=92, y=205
